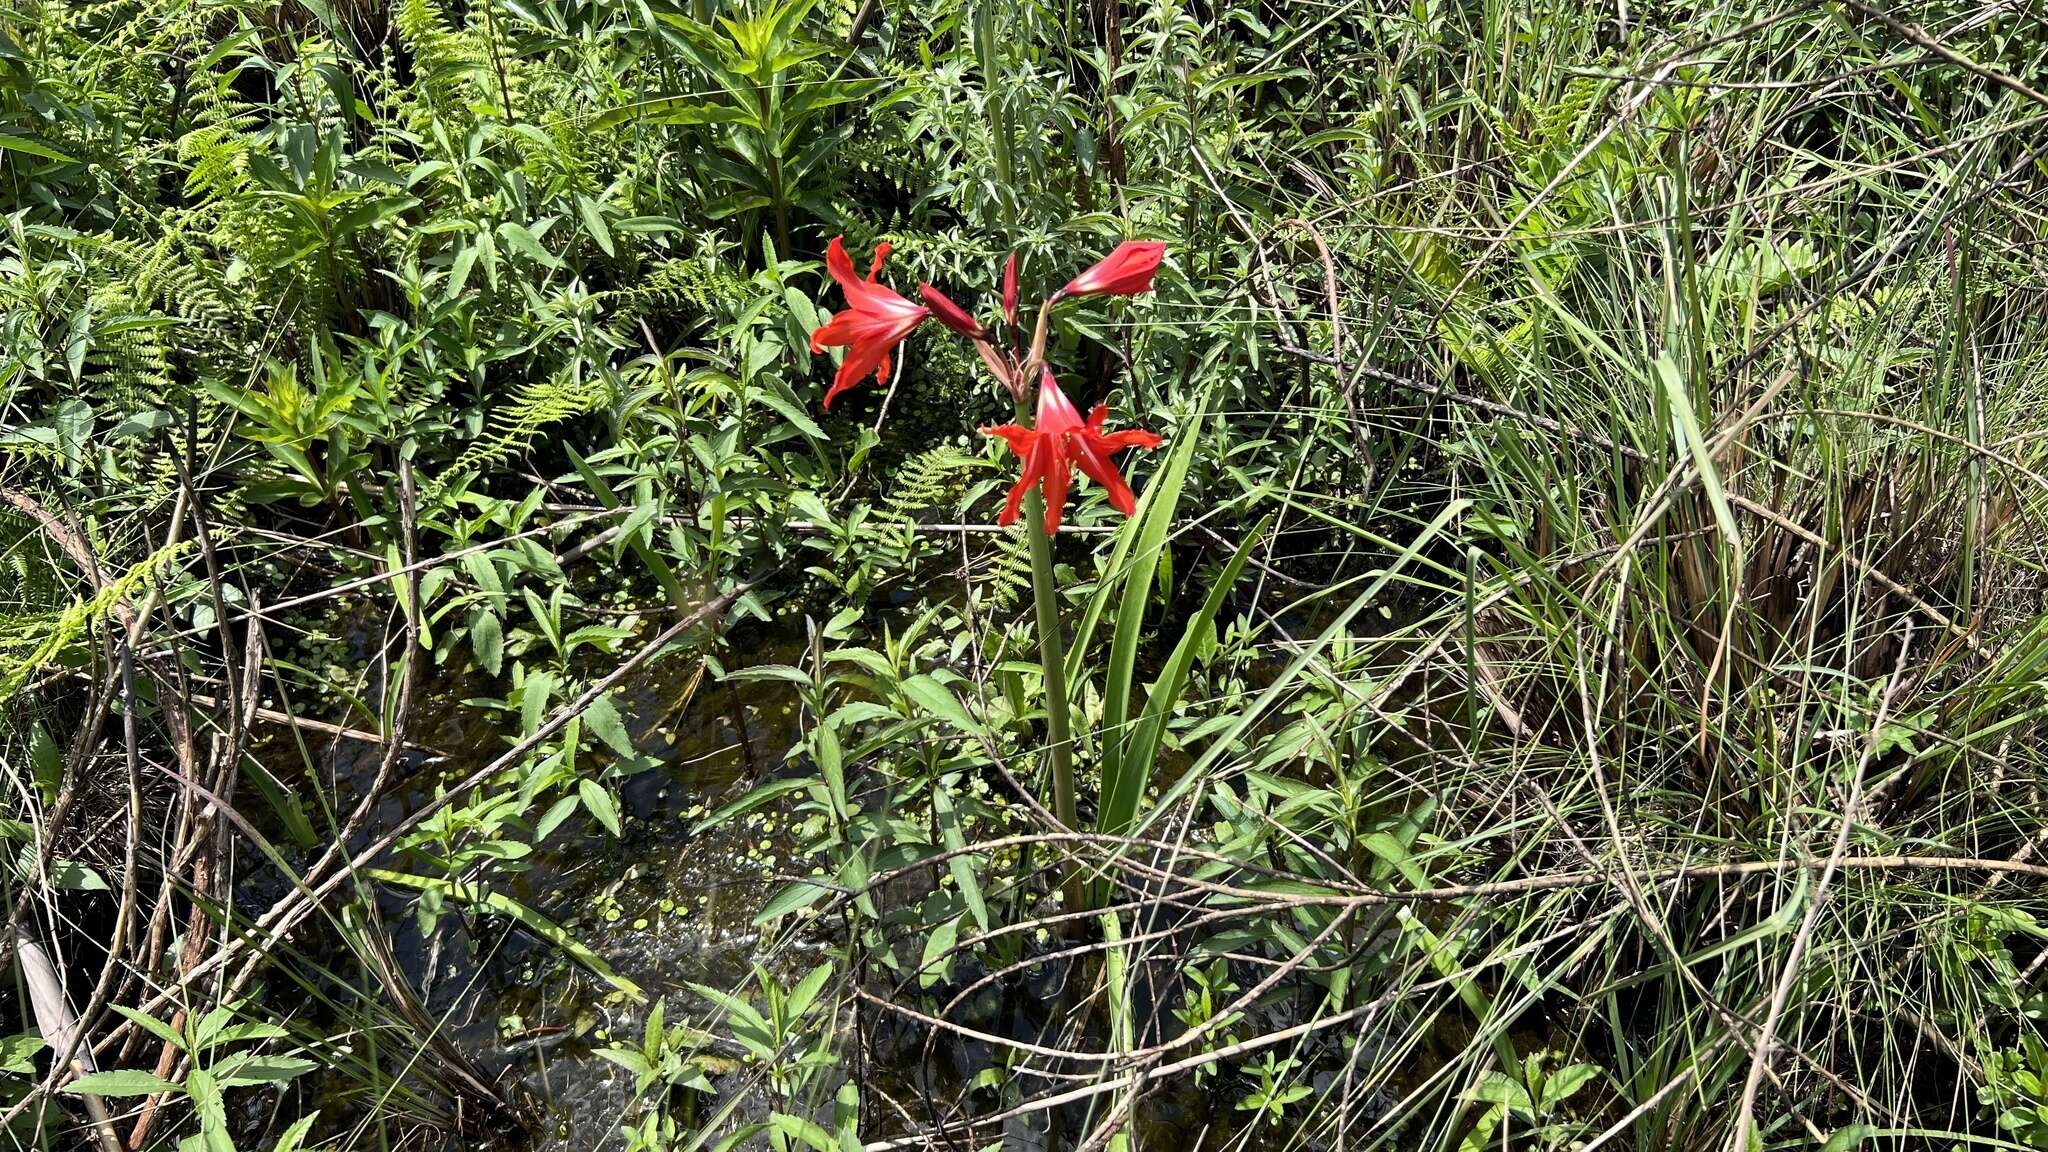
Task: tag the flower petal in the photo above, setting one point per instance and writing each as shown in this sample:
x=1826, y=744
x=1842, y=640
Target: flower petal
x=1101, y=470
x=1129, y=438
x=1034, y=471
x=1059, y=473
x=1056, y=413
x=840, y=265
x=1017, y=436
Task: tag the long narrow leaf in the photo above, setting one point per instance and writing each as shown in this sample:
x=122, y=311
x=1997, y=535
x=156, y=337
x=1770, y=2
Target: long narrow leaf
x=1124, y=788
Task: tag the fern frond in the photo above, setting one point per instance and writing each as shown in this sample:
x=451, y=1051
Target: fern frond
x=928, y=480
x=534, y=406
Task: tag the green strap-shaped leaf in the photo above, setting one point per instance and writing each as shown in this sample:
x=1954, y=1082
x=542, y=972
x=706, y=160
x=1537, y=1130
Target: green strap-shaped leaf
x=1132, y=565
x=1123, y=786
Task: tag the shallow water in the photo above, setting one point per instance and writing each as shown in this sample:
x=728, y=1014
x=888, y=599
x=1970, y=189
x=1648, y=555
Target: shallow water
x=662, y=905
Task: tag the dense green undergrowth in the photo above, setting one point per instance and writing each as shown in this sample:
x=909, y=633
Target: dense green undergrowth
x=1573, y=678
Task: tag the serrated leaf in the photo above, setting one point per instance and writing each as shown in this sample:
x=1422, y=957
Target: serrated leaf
x=267, y=1070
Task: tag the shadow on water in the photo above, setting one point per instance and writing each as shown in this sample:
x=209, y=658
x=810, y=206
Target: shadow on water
x=663, y=905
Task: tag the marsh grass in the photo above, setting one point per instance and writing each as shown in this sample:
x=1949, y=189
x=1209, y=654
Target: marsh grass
x=1579, y=684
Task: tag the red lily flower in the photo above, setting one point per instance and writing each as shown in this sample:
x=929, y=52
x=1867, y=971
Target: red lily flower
x=1061, y=441
x=874, y=321
x=950, y=314
x=1124, y=272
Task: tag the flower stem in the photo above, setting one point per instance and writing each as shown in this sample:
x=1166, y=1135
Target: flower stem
x=1052, y=658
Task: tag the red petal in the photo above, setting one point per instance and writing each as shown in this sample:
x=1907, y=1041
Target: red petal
x=1129, y=438
x=1059, y=473
x=860, y=360
x=1035, y=470
x=1103, y=472
x=1056, y=413
x=838, y=263
x=1018, y=437
x=1014, y=504
x=836, y=331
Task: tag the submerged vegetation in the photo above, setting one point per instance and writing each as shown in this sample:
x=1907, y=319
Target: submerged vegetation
x=1570, y=671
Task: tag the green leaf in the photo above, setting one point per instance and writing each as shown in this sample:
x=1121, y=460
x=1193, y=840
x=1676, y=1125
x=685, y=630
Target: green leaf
x=67, y=874
x=123, y=1082
x=937, y=700
x=524, y=243
x=487, y=640
x=798, y=1128
x=552, y=819
x=1123, y=783
x=752, y=800
x=296, y=1134
x=213, y=1114
x=9, y=142
x=1132, y=564
x=46, y=760
x=533, y=701
x=1851, y=1137
x=602, y=718
x=1686, y=429
x=1500, y=1088
x=17, y=1053
x=793, y=898
x=1565, y=1083
x=937, y=962
x=155, y=1027
x=669, y=110
x=789, y=410
x=593, y=222
x=959, y=864
x=597, y=800
x=266, y=1070
x=738, y=1009
x=806, y=991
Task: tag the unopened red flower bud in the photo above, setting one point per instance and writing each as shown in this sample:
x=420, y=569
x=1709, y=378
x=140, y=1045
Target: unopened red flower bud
x=1124, y=272
x=950, y=314
x=1010, y=289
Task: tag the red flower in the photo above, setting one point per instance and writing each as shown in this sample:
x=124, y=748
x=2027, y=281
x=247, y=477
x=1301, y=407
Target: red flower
x=1124, y=272
x=874, y=321
x=1061, y=441
x=950, y=314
